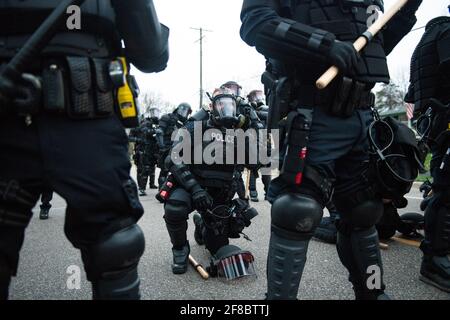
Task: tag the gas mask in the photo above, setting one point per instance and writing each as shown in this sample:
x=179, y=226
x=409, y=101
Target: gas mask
x=223, y=111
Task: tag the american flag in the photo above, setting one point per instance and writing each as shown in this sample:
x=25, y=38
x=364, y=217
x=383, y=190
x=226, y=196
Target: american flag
x=409, y=110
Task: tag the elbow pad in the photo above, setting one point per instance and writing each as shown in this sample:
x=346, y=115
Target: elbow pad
x=291, y=41
x=146, y=40
x=182, y=174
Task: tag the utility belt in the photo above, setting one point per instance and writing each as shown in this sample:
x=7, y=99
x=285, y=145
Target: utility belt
x=339, y=100
x=84, y=88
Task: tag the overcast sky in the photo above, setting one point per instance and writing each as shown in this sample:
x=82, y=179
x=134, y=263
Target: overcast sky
x=226, y=56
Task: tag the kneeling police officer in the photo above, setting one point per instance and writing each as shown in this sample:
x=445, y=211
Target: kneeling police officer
x=206, y=187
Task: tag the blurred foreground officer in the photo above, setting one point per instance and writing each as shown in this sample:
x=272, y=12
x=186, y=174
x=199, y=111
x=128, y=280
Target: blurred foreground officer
x=72, y=140
x=326, y=146
x=430, y=79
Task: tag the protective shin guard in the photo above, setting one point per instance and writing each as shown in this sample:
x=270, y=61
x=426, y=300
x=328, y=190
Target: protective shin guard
x=177, y=232
x=360, y=254
x=285, y=264
x=124, y=286
x=437, y=226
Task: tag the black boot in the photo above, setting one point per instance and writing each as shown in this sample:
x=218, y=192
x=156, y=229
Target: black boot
x=198, y=233
x=152, y=184
x=44, y=213
x=285, y=263
x=180, y=259
x=142, y=192
x=435, y=270
x=254, y=195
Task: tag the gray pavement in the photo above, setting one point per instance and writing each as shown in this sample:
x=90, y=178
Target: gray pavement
x=47, y=254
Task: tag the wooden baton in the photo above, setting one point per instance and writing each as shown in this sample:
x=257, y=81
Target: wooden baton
x=408, y=242
x=199, y=268
x=362, y=41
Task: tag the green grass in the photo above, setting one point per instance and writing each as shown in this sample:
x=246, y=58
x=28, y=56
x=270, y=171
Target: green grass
x=424, y=177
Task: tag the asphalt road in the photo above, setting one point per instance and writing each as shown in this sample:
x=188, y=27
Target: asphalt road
x=47, y=255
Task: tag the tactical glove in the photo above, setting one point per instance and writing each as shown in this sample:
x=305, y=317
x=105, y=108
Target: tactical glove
x=343, y=55
x=202, y=200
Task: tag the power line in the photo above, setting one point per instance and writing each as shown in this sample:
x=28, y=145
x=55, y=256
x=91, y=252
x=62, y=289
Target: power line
x=200, y=40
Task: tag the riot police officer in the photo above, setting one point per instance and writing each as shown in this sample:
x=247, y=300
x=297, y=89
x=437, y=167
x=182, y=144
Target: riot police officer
x=167, y=125
x=146, y=150
x=326, y=143
x=207, y=185
x=257, y=101
x=245, y=109
x=72, y=139
x=430, y=70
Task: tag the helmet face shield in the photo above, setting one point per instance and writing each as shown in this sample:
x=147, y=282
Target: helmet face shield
x=154, y=113
x=234, y=87
x=237, y=265
x=257, y=96
x=184, y=110
x=225, y=106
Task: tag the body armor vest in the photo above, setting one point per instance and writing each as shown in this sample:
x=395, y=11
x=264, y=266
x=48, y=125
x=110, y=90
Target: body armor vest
x=214, y=175
x=347, y=20
x=97, y=37
x=427, y=80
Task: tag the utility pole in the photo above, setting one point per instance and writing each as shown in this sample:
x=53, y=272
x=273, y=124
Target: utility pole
x=201, y=30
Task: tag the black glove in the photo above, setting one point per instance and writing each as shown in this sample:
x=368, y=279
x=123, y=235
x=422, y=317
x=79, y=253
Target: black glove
x=202, y=200
x=343, y=55
x=411, y=6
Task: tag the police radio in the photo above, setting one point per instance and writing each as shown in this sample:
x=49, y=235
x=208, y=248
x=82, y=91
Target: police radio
x=127, y=92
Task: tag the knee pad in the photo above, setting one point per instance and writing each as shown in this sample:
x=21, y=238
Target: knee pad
x=119, y=252
x=175, y=213
x=363, y=216
x=295, y=216
x=178, y=206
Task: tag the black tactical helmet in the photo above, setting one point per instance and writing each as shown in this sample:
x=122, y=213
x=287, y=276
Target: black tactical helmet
x=235, y=87
x=395, y=159
x=256, y=98
x=183, y=111
x=412, y=223
x=231, y=262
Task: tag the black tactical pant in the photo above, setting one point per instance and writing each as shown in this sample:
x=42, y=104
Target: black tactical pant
x=46, y=198
x=85, y=161
x=265, y=180
x=338, y=149
x=146, y=173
